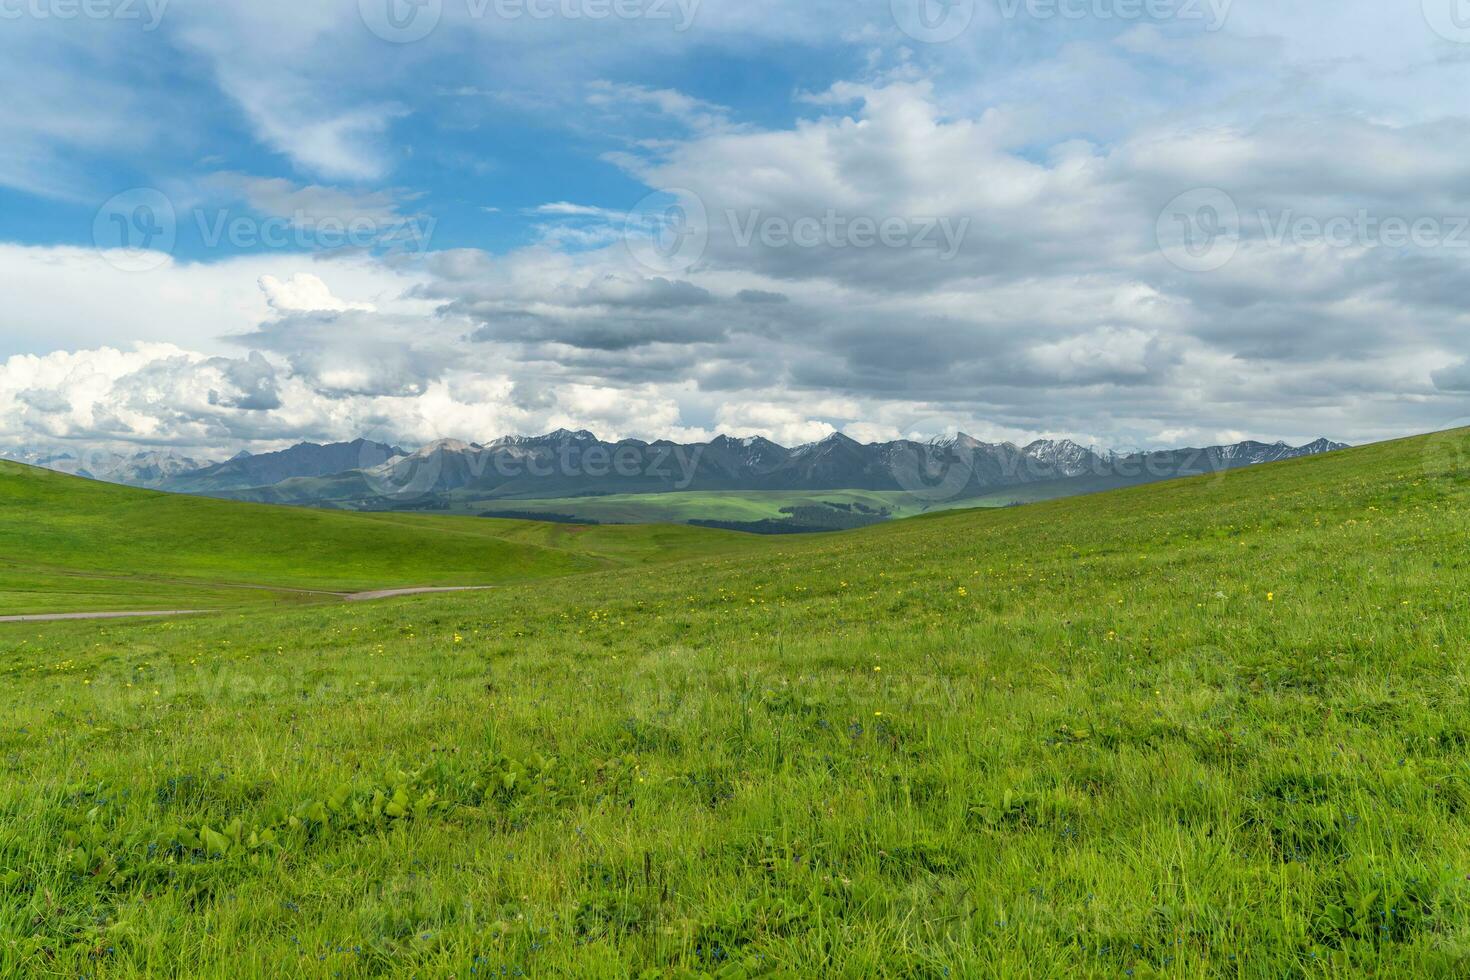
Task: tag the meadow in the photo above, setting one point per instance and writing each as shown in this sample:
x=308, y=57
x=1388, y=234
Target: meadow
x=69, y=545
x=709, y=505
x=1213, y=727
x=760, y=505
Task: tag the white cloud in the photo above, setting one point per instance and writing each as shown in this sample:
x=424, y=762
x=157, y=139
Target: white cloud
x=1105, y=354
x=306, y=293
x=68, y=298
x=1057, y=313
x=162, y=395
x=566, y=209
x=786, y=424
x=276, y=60
x=695, y=114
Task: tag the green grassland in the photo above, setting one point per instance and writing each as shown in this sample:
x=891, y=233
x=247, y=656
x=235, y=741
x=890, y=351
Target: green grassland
x=611, y=546
x=350, y=492
x=759, y=505
x=769, y=505
x=1213, y=727
x=706, y=505
x=71, y=545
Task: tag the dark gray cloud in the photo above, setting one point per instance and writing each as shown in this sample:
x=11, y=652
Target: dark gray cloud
x=607, y=332
x=357, y=352
x=252, y=384
x=1455, y=378
x=656, y=293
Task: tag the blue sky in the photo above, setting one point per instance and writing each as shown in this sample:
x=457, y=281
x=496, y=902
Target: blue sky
x=431, y=238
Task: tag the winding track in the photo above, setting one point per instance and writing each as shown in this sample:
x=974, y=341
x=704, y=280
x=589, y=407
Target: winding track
x=346, y=596
x=56, y=617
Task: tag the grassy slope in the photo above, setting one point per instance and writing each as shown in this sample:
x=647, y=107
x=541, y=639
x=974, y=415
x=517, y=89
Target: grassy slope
x=348, y=491
x=612, y=546
x=69, y=544
x=757, y=505
x=715, y=505
x=1213, y=727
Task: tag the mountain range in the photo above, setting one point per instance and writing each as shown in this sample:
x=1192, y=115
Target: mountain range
x=245, y=471
x=145, y=469
x=452, y=475
x=373, y=475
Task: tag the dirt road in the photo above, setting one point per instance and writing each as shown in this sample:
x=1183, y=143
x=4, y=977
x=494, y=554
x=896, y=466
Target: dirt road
x=345, y=596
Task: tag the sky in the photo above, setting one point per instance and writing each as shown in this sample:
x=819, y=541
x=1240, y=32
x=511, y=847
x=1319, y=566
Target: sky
x=234, y=225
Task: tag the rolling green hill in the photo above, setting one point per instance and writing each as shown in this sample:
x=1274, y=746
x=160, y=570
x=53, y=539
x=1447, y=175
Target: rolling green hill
x=711, y=505
x=768, y=505
x=1214, y=727
x=743, y=484
x=351, y=492
x=68, y=544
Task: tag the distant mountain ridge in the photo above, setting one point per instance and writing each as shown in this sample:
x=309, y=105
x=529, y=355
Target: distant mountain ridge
x=570, y=464
x=365, y=474
x=307, y=459
x=150, y=469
